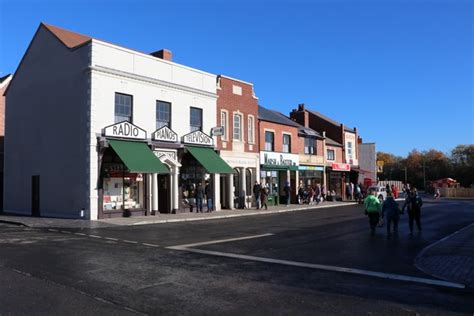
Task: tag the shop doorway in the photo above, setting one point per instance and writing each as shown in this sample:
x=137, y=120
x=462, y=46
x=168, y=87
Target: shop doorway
x=164, y=205
x=35, y=196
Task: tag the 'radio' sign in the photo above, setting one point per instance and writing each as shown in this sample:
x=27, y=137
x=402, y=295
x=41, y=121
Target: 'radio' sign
x=124, y=130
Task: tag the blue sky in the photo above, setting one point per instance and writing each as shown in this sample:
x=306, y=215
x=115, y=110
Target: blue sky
x=401, y=71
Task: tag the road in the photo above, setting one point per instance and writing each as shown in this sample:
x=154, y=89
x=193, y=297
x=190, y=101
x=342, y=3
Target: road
x=308, y=262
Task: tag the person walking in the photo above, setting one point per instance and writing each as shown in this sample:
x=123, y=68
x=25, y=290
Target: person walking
x=301, y=194
x=372, y=210
x=264, y=197
x=413, y=203
x=391, y=212
x=317, y=193
x=348, y=191
x=257, y=188
x=287, y=190
x=199, y=197
x=323, y=192
x=358, y=194
x=208, y=192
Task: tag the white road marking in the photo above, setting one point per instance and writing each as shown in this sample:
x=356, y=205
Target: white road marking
x=95, y=236
x=53, y=230
x=65, y=232
x=80, y=234
x=218, y=241
x=130, y=241
x=110, y=238
x=149, y=245
x=383, y=275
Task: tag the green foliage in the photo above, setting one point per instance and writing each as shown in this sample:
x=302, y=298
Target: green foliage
x=459, y=165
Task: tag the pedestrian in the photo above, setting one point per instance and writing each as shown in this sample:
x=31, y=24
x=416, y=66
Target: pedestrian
x=323, y=192
x=256, y=192
x=208, y=192
x=264, y=197
x=348, y=191
x=395, y=191
x=387, y=188
x=301, y=194
x=287, y=190
x=372, y=210
x=437, y=194
x=317, y=193
x=199, y=197
x=391, y=212
x=358, y=193
x=413, y=203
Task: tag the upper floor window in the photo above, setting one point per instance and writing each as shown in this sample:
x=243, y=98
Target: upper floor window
x=286, y=143
x=237, y=127
x=163, y=114
x=196, y=119
x=123, y=107
x=269, y=141
x=309, y=148
x=250, y=126
x=349, y=150
x=331, y=154
x=224, y=124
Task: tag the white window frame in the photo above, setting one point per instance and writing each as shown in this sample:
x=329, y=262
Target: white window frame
x=251, y=129
x=327, y=150
x=265, y=140
x=239, y=115
x=283, y=144
x=225, y=125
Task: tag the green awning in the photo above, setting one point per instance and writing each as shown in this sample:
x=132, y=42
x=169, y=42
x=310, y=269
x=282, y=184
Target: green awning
x=138, y=157
x=210, y=160
x=278, y=167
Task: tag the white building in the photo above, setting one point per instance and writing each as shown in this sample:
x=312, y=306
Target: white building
x=368, y=163
x=82, y=118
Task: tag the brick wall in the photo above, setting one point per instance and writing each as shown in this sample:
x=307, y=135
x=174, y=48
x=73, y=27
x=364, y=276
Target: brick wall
x=2, y=110
x=338, y=152
x=279, y=130
x=246, y=104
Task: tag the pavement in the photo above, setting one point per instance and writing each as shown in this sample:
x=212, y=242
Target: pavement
x=45, y=222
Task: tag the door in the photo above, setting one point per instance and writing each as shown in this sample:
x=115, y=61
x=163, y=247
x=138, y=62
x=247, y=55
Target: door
x=35, y=196
x=164, y=193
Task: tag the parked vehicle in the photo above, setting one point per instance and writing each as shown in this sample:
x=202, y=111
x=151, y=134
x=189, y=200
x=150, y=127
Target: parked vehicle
x=381, y=192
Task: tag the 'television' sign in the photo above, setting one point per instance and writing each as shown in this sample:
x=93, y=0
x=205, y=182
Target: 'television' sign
x=165, y=134
x=124, y=130
x=198, y=138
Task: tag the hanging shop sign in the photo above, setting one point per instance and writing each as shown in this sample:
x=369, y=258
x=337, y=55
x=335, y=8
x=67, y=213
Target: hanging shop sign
x=341, y=167
x=278, y=159
x=168, y=153
x=198, y=138
x=124, y=130
x=165, y=134
x=139, y=177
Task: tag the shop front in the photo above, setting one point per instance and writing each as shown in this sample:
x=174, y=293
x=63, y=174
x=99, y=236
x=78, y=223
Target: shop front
x=276, y=170
x=201, y=167
x=337, y=175
x=311, y=175
x=126, y=163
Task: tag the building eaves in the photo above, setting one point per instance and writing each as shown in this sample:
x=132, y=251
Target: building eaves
x=68, y=38
x=332, y=142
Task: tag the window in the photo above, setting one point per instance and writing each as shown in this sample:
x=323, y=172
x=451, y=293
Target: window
x=196, y=119
x=349, y=150
x=250, y=127
x=123, y=108
x=163, y=114
x=237, y=127
x=331, y=154
x=286, y=143
x=224, y=124
x=269, y=140
x=309, y=148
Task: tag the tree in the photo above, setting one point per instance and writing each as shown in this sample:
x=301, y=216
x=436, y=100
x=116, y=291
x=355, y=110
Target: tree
x=462, y=163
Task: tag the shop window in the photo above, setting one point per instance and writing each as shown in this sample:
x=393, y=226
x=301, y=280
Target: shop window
x=163, y=114
x=309, y=148
x=224, y=125
x=331, y=154
x=237, y=127
x=349, y=150
x=196, y=119
x=269, y=141
x=123, y=107
x=286, y=143
x=250, y=126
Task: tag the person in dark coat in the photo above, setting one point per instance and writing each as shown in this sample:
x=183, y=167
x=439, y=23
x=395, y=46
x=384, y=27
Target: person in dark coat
x=257, y=188
x=414, y=203
x=264, y=197
x=287, y=190
x=199, y=197
x=391, y=211
x=208, y=193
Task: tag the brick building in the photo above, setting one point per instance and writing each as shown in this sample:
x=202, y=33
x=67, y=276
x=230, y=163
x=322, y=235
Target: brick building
x=279, y=153
x=237, y=113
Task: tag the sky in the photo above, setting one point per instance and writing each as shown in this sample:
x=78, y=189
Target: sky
x=401, y=71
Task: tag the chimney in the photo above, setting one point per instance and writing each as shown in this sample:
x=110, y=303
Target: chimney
x=301, y=107
x=163, y=54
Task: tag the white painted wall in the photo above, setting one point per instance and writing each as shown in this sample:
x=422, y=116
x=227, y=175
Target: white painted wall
x=367, y=162
x=351, y=137
x=46, y=128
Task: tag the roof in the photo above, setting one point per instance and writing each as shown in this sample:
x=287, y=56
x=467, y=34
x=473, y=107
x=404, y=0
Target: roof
x=304, y=131
x=68, y=38
x=347, y=129
x=332, y=142
x=265, y=114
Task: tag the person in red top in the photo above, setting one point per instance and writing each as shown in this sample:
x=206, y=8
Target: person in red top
x=394, y=191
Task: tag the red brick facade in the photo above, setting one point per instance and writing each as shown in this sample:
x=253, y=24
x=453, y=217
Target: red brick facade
x=279, y=130
x=338, y=152
x=237, y=97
